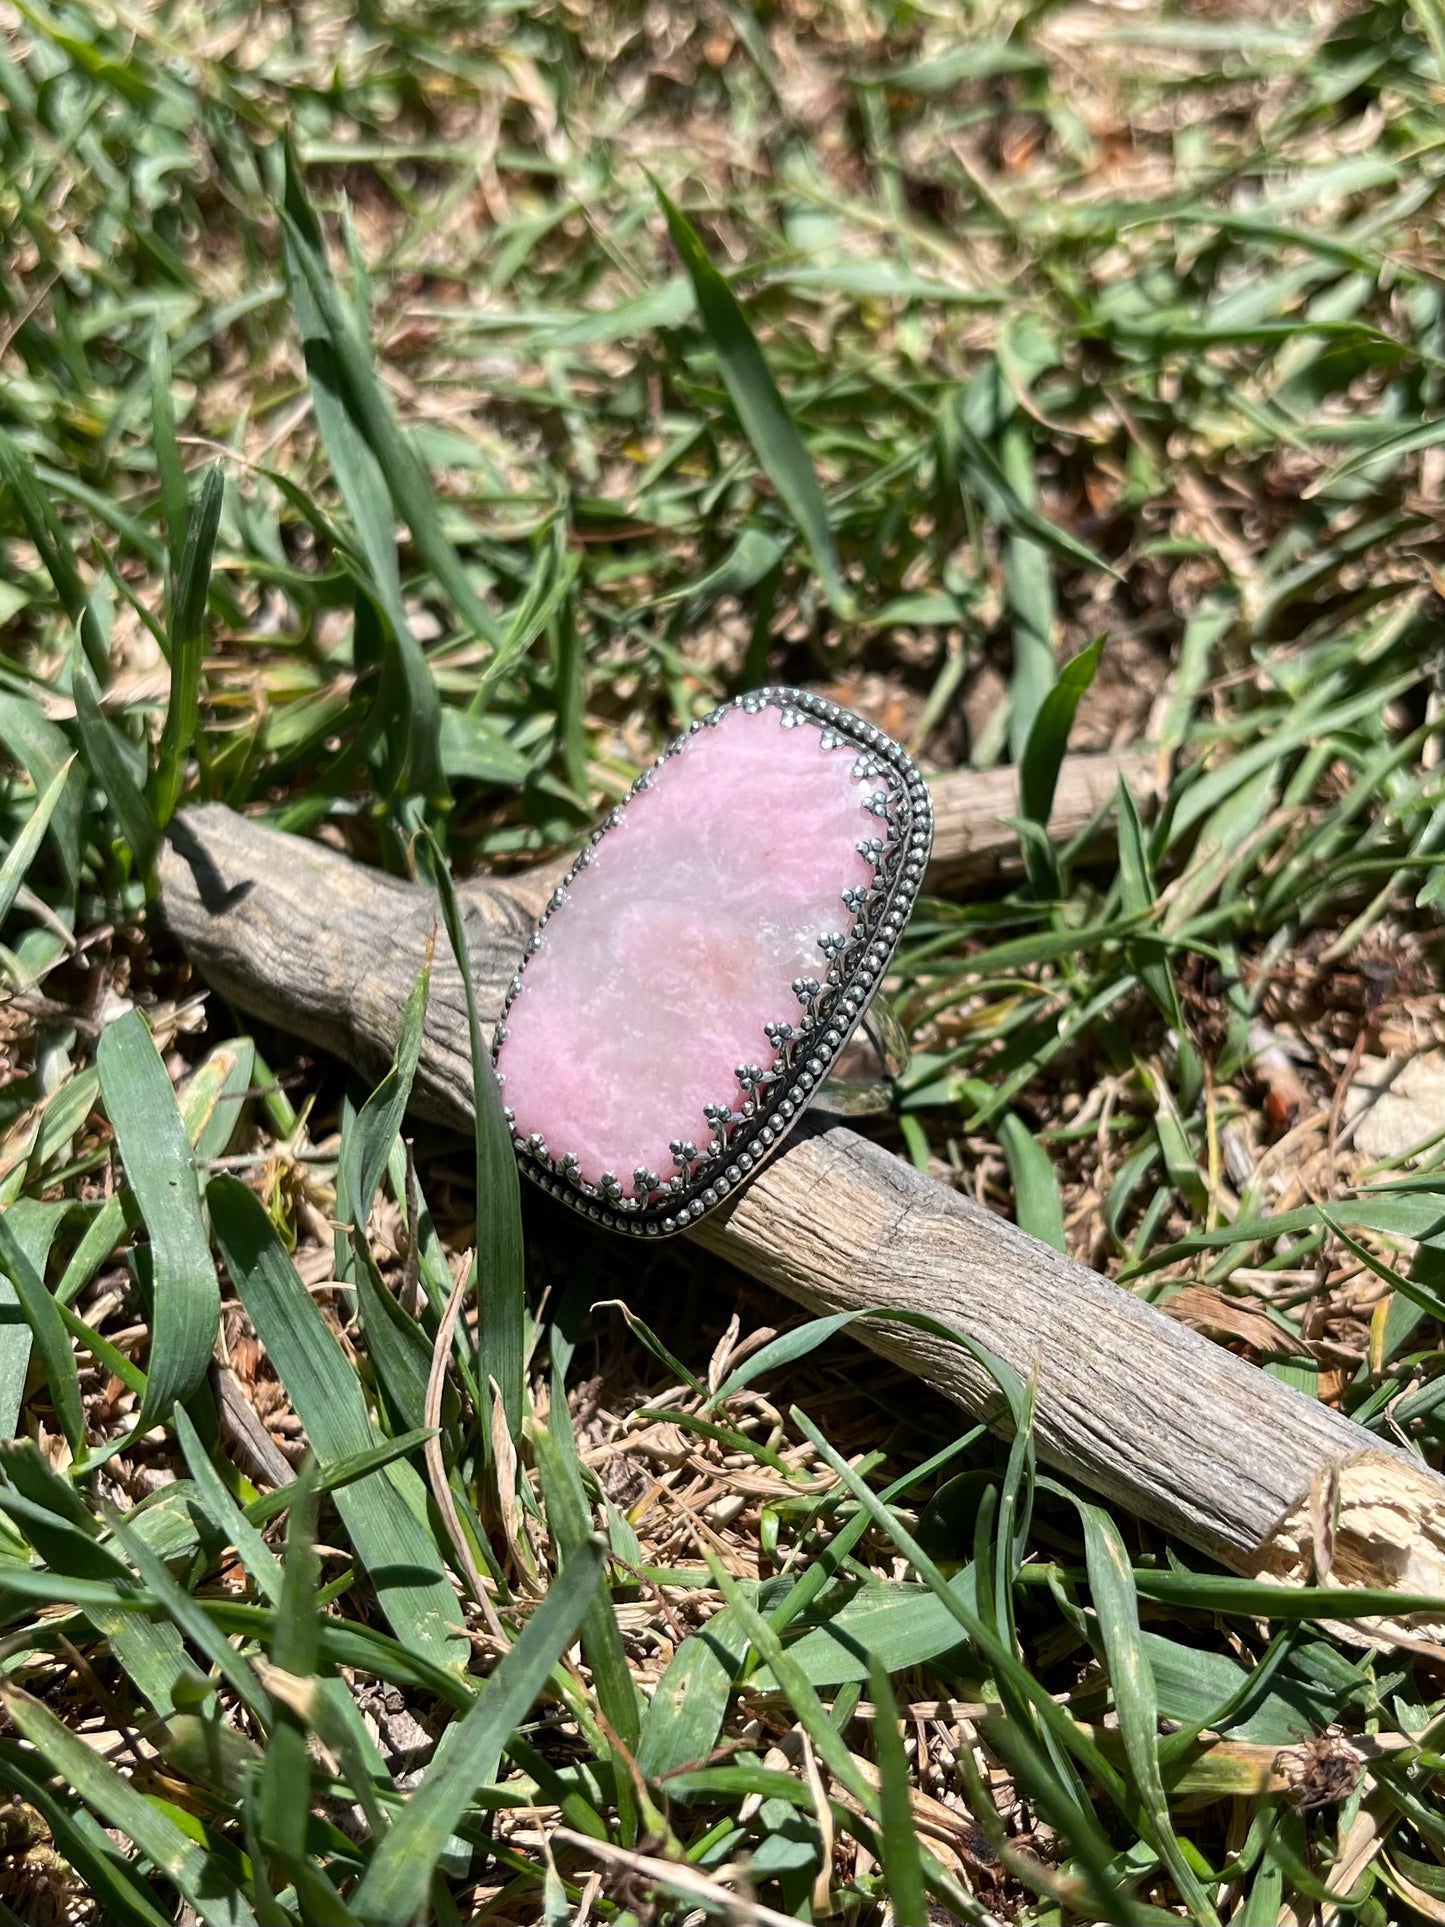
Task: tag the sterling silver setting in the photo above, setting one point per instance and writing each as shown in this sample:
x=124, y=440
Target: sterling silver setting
x=804, y=1041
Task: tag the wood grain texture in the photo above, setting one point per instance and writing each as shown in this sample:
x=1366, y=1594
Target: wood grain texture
x=1132, y=1404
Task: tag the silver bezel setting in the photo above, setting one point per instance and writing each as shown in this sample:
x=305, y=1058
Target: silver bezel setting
x=805, y=1042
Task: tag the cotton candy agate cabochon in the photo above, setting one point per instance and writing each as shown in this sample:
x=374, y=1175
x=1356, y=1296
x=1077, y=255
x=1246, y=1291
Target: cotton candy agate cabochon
x=680, y=941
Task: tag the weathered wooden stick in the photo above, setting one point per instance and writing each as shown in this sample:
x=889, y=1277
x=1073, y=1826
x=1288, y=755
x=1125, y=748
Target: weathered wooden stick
x=1131, y=1403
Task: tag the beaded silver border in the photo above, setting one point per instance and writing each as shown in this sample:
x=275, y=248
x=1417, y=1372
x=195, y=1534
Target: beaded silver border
x=775, y=1095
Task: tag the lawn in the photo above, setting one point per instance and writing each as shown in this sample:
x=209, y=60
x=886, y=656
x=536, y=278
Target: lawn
x=412, y=417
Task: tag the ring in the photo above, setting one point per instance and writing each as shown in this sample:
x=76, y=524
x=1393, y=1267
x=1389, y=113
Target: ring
x=694, y=978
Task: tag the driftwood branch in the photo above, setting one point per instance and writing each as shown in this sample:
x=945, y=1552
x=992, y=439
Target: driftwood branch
x=1132, y=1404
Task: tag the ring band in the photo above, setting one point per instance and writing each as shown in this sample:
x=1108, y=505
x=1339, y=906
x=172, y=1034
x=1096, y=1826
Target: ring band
x=871, y=1096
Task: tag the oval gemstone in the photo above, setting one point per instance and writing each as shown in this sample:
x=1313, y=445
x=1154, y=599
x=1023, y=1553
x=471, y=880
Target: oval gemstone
x=688, y=968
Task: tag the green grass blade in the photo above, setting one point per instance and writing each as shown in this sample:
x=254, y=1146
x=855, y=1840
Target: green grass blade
x=342, y=1472
x=34, y=1225
x=569, y=695
x=262, y=1565
x=175, y=497
x=366, y=1147
x=37, y=1481
x=562, y=1493
x=40, y=747
x=22, y=852
x=149, y=1651
x=120, y=1804
x=500, y=1266
x=368, y=456
x=686, y=1712
x=544, y=603
x=811, y=1714
x=52, y=1341
x=110, y=769
x=791, y=1679
x=1138, y=894
x=47, y=532
x=326, y=1706
x=382, y=1511
x=1043, y=756
x=61, y=1116
x=1078, y=1824
x=902, y=1860
x=1256, y=1599
x=898, y=1624
x=1029, y=585
x=396, y=1882
x=761, y=409
x=1049, y=738
x=645, y=1335
x=398, y=1346
x=189, y=1619
x=783, y=1350
x=1038, y=1202
x=282, y=1796
x=816, y=1576
x=1005, y=503
x=156, y=1153
x=127, y=1899
x=214, y=1097
x=1386, y=451
x=188, y=646
x=370, y=411
x=1111, y=1582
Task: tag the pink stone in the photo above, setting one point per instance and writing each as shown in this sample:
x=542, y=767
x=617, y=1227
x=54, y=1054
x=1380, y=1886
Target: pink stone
x=680, y=941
